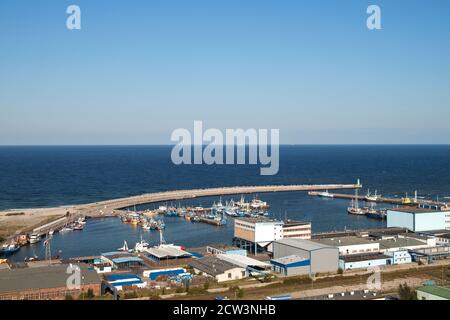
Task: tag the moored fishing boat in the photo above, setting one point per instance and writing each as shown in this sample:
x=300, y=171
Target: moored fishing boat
x=325, y=194
x=258, y=204
x=65, y=229
x=355, y=209
x=124, y=247
x=146, y=226
x=35, y=238
x=377, y=214
x=8, y=249
x=372, y=197
x=78, y=227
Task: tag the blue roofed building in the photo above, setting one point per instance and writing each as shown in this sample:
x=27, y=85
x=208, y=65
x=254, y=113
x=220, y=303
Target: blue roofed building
x=122, y=260
x=292, y=265
x=119, y=281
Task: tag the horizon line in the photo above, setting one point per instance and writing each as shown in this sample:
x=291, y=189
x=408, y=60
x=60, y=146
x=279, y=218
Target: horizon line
x=171, y=145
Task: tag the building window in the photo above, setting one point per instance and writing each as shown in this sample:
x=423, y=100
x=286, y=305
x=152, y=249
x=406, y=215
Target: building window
x=229, y=275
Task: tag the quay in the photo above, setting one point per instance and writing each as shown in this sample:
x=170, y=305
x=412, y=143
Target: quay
x=396, y=201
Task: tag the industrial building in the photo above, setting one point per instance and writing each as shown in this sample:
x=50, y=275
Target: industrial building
x=258, y=233
x=166, y=252
x=398, y=243
x=304, y=257
x=399, y=256
x=363, y=261
x=154, y=274
x=122, y=281
x=296, y=229
x=429, y=255
x=351, y=245
x=218, y=269
x=122, y=260
x=433, y=293
x=45, y=282
x=225, y=249
x=292, y=265
x=251, y=266
x=418, y=219
x=442, y=236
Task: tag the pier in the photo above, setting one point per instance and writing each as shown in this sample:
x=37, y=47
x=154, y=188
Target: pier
x=109, y=206
x=395, y=201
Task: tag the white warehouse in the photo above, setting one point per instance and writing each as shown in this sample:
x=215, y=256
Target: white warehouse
x=418, y=219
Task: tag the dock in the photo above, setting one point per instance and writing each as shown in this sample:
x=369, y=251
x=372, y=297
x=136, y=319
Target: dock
x=395, y=201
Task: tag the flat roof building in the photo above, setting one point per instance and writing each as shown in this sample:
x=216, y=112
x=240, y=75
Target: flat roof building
x=258, y=233
x=166, y=252
x=46, y=282
x=418, y=219
x=363, y=261
x=433, y=293
x=399, y=243
x=225, y=249
x=248, y=263
x=219, y=269
x=310, y=257
x=122, y=260
x=351, y=244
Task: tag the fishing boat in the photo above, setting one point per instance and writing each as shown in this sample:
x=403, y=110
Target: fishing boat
x=141, y=246
x=220, y=207
x=241, y=203
x=135, y=220
x=377, y=214
x=35, y=238
x=51, y=232
x=146, y=226
x=162, y=209
x=372, y=198
x=354, y=209
x=325, y=194
x=78, y=227
x=258, y=204
x=8, y=249
x=81, y=220
x=124, y=247
x=65, y=229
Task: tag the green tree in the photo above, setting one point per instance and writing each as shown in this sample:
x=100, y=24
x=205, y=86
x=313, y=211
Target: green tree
x=87, y=295
x=405, y=292
x=68, y=297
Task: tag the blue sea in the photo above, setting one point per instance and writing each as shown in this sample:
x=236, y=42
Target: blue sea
x=47, y=176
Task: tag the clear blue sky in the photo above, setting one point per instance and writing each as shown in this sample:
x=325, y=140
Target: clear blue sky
x=139, y=69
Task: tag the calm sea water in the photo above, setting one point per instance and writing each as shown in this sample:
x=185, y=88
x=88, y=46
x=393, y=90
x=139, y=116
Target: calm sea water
x=53, y=176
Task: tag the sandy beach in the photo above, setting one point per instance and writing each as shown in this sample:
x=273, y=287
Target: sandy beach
x=23, y=220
